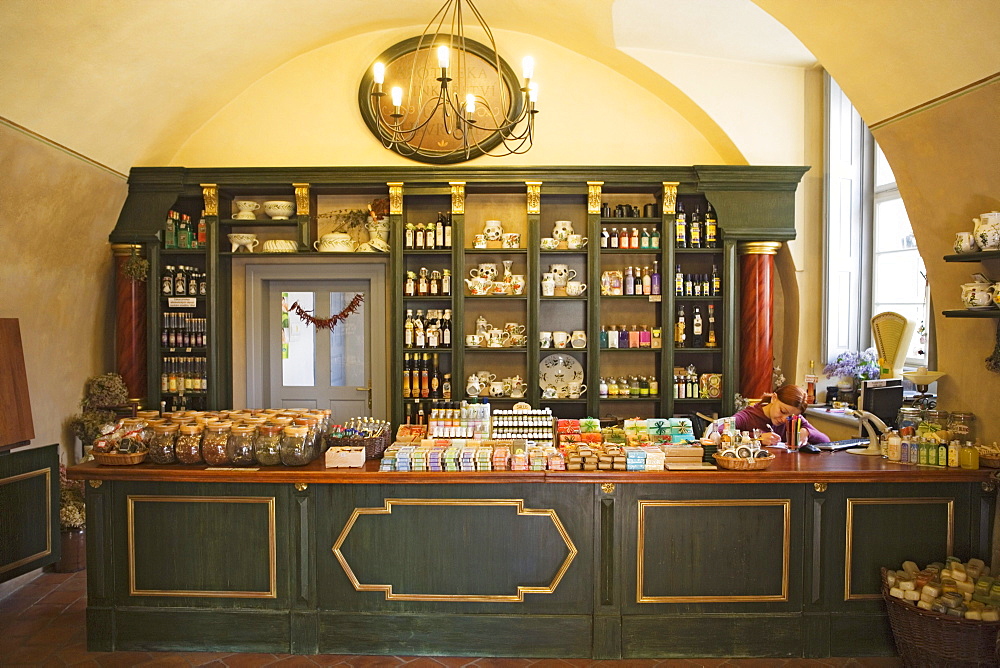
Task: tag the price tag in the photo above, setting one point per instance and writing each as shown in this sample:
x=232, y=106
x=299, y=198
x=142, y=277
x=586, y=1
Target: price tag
x=182, y=302
x=655, y=298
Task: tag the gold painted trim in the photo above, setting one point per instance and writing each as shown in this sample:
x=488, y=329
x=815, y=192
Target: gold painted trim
x=594, y=196
x=390, y=595
x=849, y=543
x=759, y=247
x=301, y=199
x=48, y=515
x=989, y=485
x=670, y=197
x=820, y=486
x=457, y=196
x=125, y=249
x=95, y=483
x=784, y=504
x=272, y=591
x=301, y=486
x=395, y=197
x=534, y=196
x=608, y=487
x=210, y=193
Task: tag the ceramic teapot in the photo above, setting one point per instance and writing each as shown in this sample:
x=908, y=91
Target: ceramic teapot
x=987, y=231
x=478, y=285
x=978, y=295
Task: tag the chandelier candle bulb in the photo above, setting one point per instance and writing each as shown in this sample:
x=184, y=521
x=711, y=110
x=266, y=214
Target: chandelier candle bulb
x=397, y=99
x=528, y=68
x=470, y=105
x=378, y=73
x=443, y=57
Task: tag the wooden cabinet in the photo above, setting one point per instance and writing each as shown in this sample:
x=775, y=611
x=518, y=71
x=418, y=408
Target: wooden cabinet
x=752, y=203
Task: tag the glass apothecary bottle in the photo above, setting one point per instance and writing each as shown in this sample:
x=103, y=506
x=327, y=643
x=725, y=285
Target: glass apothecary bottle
x=213, y=444
x=908, y=418
x=267, y=446
x=189, y=444
x=933, y=422
x=295, y=447
x=240, y=445
x=161, y=447
x=962, y=426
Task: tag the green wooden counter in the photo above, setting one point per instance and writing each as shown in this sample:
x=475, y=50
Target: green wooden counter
x=776, y=563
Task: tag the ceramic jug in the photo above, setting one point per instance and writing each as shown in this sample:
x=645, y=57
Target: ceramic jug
x=977, y=295
x=988, y=230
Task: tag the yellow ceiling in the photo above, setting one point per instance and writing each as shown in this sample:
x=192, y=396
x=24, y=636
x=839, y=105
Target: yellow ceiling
x=127, y=81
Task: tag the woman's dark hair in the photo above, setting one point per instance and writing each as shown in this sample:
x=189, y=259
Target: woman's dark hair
x=791, y=395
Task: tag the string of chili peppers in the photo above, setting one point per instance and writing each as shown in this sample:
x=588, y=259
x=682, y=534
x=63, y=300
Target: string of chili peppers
x=331, y=322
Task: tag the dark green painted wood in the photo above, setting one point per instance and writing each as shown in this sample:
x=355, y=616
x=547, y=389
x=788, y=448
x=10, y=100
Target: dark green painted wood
x=100, y=627
x=735, y=635
x=607, y=642
x=562, y=636
x=153, y=630
x=860, y=634
x=816, y=629
x=304, y=632
x=29, y=521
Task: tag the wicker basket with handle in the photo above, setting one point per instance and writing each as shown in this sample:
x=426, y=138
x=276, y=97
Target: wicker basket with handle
x=119, y=459
x=925, y=638
x=740, y=464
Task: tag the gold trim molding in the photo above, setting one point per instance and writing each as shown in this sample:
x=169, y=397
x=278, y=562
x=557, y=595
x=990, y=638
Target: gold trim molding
x=849, y=542
x=457, y=196
x=518, y=504
x=759, y=247
x=47, y=474
x=784, y=504
x=989, y=486
x=120, y=250
x=395, y=198
x=95, y=483
x=210, y=192
x=820, y=487
x=301, y=199
x=272, y=591
x=534, y=196
x=608, y=487
x=670, y=197
x=301, y=486
x=594, y=193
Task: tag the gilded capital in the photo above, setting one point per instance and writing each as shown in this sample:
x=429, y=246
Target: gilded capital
x=594, y=196
x=670, y=197
x=395, y=197
x=759, y=247
x=301, y=198
x=457, y=196
x=534, y=196
x=210, y=192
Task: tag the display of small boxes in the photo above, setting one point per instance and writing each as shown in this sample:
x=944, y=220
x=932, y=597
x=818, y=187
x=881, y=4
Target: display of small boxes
x=345, y=456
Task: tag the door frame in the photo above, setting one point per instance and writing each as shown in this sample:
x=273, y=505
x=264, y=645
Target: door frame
x=257, y=277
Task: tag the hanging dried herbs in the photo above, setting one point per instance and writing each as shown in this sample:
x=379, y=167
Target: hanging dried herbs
x=136, y=267
x=331, y=322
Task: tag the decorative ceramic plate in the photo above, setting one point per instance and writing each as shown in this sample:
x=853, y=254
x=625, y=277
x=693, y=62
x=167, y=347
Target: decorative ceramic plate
x=559, y=370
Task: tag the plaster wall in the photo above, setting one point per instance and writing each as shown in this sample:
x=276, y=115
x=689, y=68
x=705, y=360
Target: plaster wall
x=945, y=161
x=56, y=211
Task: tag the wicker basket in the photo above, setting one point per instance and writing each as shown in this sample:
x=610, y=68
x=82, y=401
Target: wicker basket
x=925, y=638
x=989, y=462
x=740, y=464
x=118, y=459
x=374, y=447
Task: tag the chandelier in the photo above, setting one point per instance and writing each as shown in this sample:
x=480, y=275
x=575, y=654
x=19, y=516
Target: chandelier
x=450, y=98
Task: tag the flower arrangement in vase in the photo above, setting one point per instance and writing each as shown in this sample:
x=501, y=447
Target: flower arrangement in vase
x=853, y=366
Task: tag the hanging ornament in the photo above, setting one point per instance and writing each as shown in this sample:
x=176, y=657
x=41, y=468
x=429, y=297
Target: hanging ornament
x=331, y=322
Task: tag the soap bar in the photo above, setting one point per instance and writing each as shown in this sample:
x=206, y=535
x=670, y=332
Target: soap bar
x=965, y=587
x=926, y=605
x=990, y=614
x=906, y=585
x=896, y=592
x=911, y=595
x=910, y=567
x=932, y=590
x=973, y=614
x=978, y=563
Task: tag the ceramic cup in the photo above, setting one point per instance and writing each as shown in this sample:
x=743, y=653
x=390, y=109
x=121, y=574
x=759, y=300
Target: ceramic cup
x=550, y=392
x=965, y=242
x=518, y=340
x=514, y=328
x=560, y=339
x=575, y=288
x=576, y=241
x=379, y=245
x=575, y=389
x=473, y=340
x=485, y=377
x=549, y=243
x=497, y=389
x=245, y=215
x=578, y=339
x=247, y=205
x=479, y=241
x=279, y=209
x=511, y=240
x=545, y=339
x=548, y=287
x=248, y=241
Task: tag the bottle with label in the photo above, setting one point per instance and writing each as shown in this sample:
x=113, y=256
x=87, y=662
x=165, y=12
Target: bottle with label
x=624, y=239
x=647, y=282
x=711, y=228
x=706, y=285
x=446, y=219
x=680, y=227
x=167, y=281
x=694, y=231
x=637, y=277
x=613, y=239
x=710, y=340
x=446, y=329
x=644, y=239
x=419, y=335
x=645, y=338
x=697, y=286
x=612, y=337
x=634, y=241
x=689, y=285
x=418, y=236
x=425, y=377
x=678, y=282
x=446, y=282
x=629, y=281
x=716, y=282
x=654, y=279
x=434, y=285
x=680, y=335
x=605, y=237
x=435, y=391
x=408, y=233
x=408, y=332
x=439, y=233
x=697, y=330
x=654, y=239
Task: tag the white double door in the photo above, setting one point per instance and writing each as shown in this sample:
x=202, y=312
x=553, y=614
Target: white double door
x=294, y=364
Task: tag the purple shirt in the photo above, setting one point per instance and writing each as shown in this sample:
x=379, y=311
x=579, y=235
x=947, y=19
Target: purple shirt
x=753, y=417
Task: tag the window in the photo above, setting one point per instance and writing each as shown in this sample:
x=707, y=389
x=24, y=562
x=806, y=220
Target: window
x=872, y=262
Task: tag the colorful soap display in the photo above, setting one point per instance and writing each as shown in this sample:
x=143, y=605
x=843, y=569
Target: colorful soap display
x=952, y=588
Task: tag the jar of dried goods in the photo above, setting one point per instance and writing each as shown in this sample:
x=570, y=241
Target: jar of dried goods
x=240, y=447
x=189, y=444
x=295, y=447
x=161, y=447
x=267, y=446
x=213, y=444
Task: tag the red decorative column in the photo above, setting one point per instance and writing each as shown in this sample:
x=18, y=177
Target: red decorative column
x=130, y=324
x=756, y=315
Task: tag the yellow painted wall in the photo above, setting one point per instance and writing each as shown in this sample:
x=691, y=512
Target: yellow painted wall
x=56, y=272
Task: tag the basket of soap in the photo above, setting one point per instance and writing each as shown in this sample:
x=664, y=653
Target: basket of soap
x=760, y=461
x=989, y=455
x=938, y=620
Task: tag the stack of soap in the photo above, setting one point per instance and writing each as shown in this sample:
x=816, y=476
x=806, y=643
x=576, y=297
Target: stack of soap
x=501, y=458
x=484, y=456
x=655, y=459
x=635, y=459
x=519, y=461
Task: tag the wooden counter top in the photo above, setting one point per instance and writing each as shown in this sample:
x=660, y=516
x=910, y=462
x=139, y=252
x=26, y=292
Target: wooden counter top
x=787, y=468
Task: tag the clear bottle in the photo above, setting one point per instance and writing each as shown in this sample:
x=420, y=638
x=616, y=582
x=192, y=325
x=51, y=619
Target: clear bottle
x=969, y=456
x=161, y=449
x=267, y=445
x=629, y=281
x=602, y=388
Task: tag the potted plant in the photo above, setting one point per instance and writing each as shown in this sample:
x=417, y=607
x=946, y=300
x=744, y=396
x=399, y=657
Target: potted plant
x=72, y=524
x=102, y=395
x=852, y=367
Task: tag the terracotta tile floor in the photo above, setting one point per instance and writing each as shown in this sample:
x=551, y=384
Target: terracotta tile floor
x=42, y=625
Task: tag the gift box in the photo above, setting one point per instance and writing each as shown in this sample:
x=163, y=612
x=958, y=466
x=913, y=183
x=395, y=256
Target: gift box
x=590, y=426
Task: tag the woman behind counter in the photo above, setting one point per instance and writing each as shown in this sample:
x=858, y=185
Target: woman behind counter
x=768, y=415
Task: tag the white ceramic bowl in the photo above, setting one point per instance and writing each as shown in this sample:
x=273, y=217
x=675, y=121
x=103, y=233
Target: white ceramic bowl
x=280, y=246
x=247, y=205
x=279, y=209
